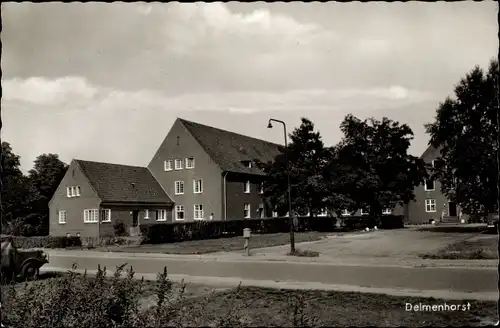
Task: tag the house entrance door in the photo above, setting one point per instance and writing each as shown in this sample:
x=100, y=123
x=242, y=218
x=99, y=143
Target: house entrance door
x=452, y=209
x=135, y=218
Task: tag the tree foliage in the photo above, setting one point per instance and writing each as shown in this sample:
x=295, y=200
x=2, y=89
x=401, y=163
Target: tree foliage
x=307, y=158
x=377, y=170
x=25, y=198
x=465, y=129
x=15, y=188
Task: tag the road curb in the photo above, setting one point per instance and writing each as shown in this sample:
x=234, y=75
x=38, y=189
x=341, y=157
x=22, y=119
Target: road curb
x=462, y=264
x=232, y=282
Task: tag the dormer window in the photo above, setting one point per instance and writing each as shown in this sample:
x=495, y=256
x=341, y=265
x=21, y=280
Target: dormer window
x=247, y=164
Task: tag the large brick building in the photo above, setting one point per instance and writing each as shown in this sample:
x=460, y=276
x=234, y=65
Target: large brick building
x=198, y=173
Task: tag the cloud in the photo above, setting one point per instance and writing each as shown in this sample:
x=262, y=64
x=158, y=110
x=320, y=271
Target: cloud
x=41, y=91
x=62, y=94
x=90, y=80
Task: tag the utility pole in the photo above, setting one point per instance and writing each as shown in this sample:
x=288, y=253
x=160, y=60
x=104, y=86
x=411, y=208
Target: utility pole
x=290, y=215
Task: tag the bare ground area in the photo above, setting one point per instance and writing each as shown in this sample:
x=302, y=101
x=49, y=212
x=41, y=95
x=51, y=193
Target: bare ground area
x=405, y=243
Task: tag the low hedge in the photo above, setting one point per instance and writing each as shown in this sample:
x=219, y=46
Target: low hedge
x=198, y=230
x=45, y=242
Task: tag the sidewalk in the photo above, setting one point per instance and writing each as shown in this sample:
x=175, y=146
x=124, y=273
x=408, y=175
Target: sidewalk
x=232, y=282
x=261, y=257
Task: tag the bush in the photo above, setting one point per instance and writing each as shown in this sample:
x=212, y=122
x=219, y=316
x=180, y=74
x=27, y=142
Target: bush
x=199, y=230
x=45, y=242
x=303, y=253
x=103, y=302
x=119, y=228
x=392, y=222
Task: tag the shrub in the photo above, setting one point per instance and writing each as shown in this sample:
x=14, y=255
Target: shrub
x=392, y=222
x=199, y=230
x=119, y=228
x=106, y=302
x=45, y=242
x=303, y=253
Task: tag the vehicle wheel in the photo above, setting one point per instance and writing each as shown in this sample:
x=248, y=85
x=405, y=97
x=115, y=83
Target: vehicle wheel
x=30, y=271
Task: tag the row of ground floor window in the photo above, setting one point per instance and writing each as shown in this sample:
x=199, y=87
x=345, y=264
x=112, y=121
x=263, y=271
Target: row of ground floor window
x=104, y=215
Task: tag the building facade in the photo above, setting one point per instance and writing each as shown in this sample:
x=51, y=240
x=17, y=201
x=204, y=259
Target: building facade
x=211, y=174
x=430, y=202
x=197, y=173
x=92, y=197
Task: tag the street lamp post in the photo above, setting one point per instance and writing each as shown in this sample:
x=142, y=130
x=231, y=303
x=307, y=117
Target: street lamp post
x=292, y=236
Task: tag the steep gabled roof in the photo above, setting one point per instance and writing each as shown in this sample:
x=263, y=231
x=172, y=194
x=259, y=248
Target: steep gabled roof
x=431, y=151
x=123, y=183
x=230, y=150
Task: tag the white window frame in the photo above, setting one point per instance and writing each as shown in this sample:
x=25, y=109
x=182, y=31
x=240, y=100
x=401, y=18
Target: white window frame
x=433, y=185
x=261, y=190
x=362, y=212
x=345, y=212
x=146, y=214
x=187, y=161
x=198, y=212
x=430, y=205
x=324, y=212
x=386, y=211
x=78, y=191
x=161, y=215
x=246, y=187
x=274, y=214
x=73, y=191
x=91, y=215
x=68, y=192
x=179, y=183
x=104, y=217
x=179, y=209
x=178, y=161
x=247, y=211
x=62, y=215
x=167, y=165
x=200, y=189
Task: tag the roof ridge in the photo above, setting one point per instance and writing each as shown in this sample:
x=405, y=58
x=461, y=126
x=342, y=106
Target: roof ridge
x=96, y=162
x=227, y=131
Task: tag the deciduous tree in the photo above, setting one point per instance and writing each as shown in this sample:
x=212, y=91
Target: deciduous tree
x=15, y=188
x=44, y=178
x=377, y=169
x=307, y=158
x=465, y=129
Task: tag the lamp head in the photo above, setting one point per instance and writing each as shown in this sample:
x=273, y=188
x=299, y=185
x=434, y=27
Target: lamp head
x=269, y=126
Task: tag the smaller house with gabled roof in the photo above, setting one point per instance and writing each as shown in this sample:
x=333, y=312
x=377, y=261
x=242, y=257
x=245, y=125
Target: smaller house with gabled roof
x=93, y=196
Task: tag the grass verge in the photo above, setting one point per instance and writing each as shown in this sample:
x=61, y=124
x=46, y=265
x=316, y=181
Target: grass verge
x=218, y=245
x=478, y=248
x=39, y=306
x=460, y=229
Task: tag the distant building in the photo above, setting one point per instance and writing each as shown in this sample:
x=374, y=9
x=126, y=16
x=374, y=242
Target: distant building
x=430, y=203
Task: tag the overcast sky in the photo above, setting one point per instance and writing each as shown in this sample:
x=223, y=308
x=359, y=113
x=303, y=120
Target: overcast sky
x=105, y=82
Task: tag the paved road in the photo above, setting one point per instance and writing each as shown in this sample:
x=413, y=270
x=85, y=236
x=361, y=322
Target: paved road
x=459, y=280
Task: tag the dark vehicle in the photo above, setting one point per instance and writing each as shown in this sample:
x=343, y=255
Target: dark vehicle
x=21, y=264
x=493, y=219
x=28, y=263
